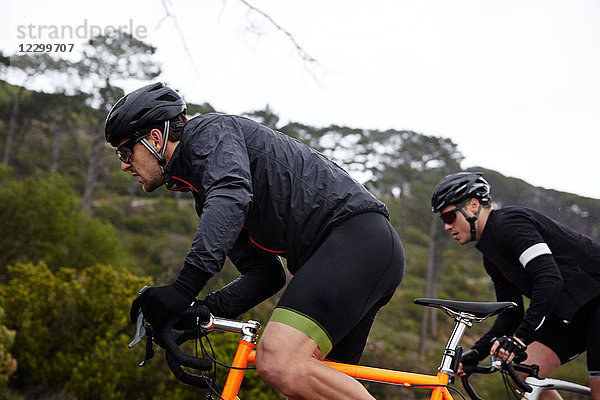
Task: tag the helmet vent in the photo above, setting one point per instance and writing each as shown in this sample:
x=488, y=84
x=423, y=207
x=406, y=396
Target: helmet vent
x=167, y=97
x=140, y=114
x=157, y=86
x=119, y=103
x=111, y=120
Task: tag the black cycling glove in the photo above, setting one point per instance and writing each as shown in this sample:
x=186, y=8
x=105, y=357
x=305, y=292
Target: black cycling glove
x=161, y=303
x=470, y=357
x=512, y=345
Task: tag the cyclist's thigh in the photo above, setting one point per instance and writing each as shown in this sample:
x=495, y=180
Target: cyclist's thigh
x=360, y=263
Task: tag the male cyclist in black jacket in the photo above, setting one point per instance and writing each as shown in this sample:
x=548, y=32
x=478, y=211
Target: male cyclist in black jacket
x=262, y=195
x=527, y=253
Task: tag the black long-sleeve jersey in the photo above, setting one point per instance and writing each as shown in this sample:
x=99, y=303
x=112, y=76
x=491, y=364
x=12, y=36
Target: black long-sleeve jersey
x=527, y=253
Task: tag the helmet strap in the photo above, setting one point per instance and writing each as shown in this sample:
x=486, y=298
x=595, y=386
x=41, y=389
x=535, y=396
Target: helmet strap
x=471, y=221
x=160, y=156
x=162, y=160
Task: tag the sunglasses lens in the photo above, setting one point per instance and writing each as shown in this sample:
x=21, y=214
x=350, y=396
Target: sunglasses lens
x=124, y=155
x=448, y=217
x=125, y=151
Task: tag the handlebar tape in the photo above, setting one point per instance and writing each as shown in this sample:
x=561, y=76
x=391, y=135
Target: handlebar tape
x=513, y=374
x=171, y=339
x=469, y=369
x=198, y=381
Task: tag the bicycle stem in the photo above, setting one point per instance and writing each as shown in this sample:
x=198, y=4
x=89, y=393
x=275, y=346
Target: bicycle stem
x=249, y=330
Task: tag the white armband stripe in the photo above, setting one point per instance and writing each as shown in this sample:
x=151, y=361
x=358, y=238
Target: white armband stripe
x=533, y=252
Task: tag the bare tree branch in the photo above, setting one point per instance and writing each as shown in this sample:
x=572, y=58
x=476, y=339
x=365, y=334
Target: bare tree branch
x=304, y=55
x=168, y=14
x=301, y=52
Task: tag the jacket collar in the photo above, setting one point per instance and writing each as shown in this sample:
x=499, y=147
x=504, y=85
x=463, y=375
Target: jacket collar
x=174, y=176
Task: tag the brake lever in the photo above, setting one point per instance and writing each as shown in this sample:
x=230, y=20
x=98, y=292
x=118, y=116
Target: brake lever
x=140, y=330
x=149, y=351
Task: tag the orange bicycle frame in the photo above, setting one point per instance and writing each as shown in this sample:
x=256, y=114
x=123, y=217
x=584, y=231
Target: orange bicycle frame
x=464, y=314
x=246, y=355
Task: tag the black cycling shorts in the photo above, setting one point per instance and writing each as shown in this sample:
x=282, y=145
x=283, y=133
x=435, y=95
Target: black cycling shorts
x=334, y=296
x=570, y=340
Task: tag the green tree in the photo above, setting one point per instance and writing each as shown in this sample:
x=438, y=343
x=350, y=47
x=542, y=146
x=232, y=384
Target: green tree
x=28, y=67
x=109, y=59
x=41, y=222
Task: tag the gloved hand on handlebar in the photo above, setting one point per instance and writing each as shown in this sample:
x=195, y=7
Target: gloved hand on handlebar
x=160, y=303
x=470, y=357
x=509, y=348
x=198, y=313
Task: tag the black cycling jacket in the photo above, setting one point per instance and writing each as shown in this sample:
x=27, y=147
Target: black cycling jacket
x=527, y=253
x=246, y=178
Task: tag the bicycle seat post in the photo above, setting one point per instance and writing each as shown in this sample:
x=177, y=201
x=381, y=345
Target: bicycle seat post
x=463, y=321
x=464, y=313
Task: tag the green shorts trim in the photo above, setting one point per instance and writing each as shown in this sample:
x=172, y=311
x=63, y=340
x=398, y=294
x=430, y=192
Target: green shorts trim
x=306, y=325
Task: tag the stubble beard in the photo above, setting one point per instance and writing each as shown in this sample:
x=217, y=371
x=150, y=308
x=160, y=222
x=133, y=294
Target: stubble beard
x=154, y=181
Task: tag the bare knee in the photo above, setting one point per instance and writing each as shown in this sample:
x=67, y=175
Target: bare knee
x=278, y=371
x=268, y=365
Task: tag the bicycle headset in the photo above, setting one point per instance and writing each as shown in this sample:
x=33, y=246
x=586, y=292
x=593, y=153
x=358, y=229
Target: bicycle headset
x=151, y=104
x=459, y=187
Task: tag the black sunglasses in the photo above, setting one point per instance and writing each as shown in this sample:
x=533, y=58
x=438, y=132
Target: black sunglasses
x=449, y=217
x=125, y=151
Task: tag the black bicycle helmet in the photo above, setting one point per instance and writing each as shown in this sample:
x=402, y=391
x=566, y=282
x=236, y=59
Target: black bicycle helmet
x=459, y=187
x=140, y=108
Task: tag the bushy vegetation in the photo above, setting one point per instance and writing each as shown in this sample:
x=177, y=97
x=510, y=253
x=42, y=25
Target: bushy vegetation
x=41, y=221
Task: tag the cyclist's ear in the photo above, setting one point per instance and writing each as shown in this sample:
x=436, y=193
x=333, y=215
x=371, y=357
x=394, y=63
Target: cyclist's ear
x=473, y=205
x=156, y=139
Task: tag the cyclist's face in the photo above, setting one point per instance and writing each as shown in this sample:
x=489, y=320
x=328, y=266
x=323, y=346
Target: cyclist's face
x=459, y=228
x=143, y=164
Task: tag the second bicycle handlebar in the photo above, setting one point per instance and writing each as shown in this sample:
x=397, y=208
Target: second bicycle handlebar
x=510, y=368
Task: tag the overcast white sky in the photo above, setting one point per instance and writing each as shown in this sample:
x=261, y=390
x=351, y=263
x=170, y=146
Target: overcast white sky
x=515, y=83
